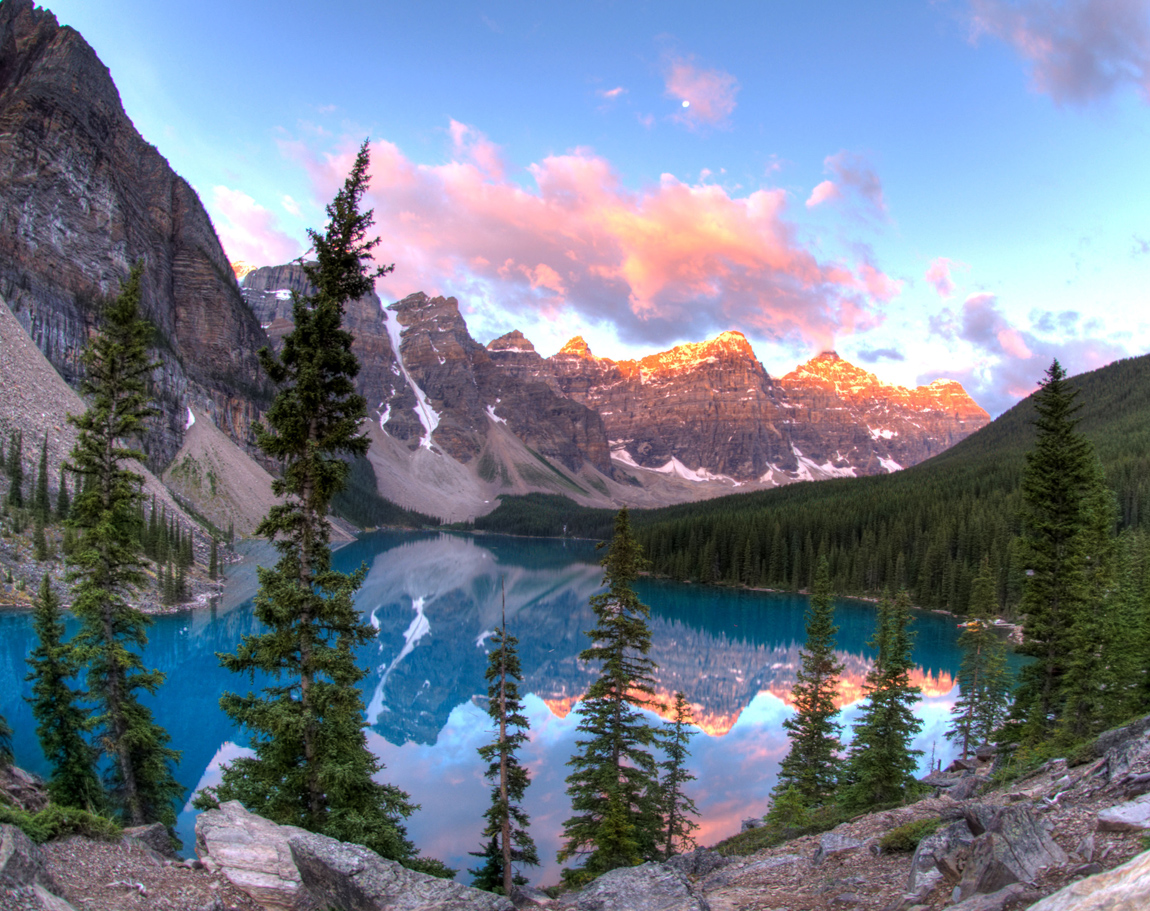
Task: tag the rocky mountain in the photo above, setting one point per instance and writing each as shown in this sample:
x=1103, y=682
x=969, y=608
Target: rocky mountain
x=709, y=411
x=82, y=198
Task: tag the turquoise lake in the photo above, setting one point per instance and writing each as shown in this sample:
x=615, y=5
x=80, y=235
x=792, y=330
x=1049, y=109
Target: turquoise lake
x=435, y=598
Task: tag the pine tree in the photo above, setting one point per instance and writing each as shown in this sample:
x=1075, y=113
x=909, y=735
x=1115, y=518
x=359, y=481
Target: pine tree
x=489, y=876
x=213, y=561
x=676, y=807
x=106, y=566
x=1055, y=486
x=506, y=821
x=61, y=724
x=812, y=763
x=982, y=677
x=63, y=503
x=42, y=504
x=881, y=764
x=16, y=471
x=5, y=743
x=39, y=541
x=614, y=787
x=312, y=766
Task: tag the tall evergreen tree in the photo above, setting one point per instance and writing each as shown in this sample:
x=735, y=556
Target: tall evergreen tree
x=614, y=787
x=61, y=723
x=880, y=763
x=107, y=568
x=16, y=470
x=506, y=820
x=213, y=561
x=1055, y=518
x=676, y=807
x=983, y=680
x=5, y=743
x=312, y=766
x=63, y=502
x=811, y=765
x=41, y=503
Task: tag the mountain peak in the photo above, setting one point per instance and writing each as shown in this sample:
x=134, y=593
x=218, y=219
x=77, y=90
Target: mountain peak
x=578, y=347
x=514, y=341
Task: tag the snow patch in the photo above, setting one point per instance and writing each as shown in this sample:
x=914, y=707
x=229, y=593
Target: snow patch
x=383, y=418
x=885, y=434
x=622, y=455
x=427, y=415
x=496, y=418
x=810, y=470
x=191, y=420
x=283, y=294
x=889, y=464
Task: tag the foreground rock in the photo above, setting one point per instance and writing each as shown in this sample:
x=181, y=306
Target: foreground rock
x=254, y=855
x=649, y=887
x=353, y=878
x=1125, y=888
x=1011, y=845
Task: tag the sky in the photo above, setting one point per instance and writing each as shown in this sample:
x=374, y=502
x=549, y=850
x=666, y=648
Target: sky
x=956, y=188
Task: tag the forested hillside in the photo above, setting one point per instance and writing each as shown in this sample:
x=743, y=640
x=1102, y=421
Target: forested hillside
x=927, y=527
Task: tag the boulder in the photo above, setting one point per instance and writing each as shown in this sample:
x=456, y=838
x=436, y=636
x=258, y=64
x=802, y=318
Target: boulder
x=23, y=790
x=1122, y=756
x=698, y=863
x=753, y=822
x=648, y=887
x=530, y=897
x=31, y=898
x=1132, y=816
x=833, y=844
x=21, y=861
x=155, y=837
x=734, y=870
x=1013, y=847
x=1125, y=888
x=253, y=854
x=353, y=878
x=932, y=849
x=965, y=788
x=1012, y=896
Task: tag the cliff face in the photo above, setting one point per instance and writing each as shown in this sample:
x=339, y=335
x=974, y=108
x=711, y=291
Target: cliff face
x=707, y=410
x=430, y=384
x=82, y=198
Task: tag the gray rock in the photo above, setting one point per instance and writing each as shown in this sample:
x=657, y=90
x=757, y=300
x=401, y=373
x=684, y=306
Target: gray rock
x=1121, y=757
x=21, y=861
x=1014, y=847
x=1085, y=848
x=932, y=849
x=253, y=854
x=698, y=863
x=155, y=836
x=31, y=898
x=728, y=874
x=966, y=788
x=353, y=878
x=1125, y=888
x=994, y=901
x=753, y=822
x=1136, y=785
x=530, y=897
x=846, y=899
x=648, y=887
x=832, y=845
x=1132, y=816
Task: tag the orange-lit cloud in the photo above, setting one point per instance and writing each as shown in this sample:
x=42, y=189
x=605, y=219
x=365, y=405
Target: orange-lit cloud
x=709, y=95
x=660, y=263
x=1078, y=50
x=248, y=231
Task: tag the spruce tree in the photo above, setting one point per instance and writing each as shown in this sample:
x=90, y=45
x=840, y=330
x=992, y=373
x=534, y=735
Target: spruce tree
x=5, y=743
x=506, y=820
x=811, y=764
x=41, y=503
x=676, y=807
x=106, y=566
x=63, y=503
x=213, y=561
x=312, y=767
x=880, y=763
x=982, y=677
x=1055, y=518
x=61, y=723
x=16, y=470
x=614, y=787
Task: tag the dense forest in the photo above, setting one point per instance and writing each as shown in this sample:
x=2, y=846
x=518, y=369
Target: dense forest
x=926, y=528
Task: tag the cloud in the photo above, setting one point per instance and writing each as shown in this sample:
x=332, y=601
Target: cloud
x=851, y=175
x=938, y=275
x=708, y=95
x=612, y=94
x=666, y=262
x=1011, y=360
x=1141, y=246
x=248, y=231
x=1078, y=50
x=874, y=355
x=291, y=206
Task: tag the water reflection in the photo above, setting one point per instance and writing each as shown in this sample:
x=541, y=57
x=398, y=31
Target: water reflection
x=435, y=599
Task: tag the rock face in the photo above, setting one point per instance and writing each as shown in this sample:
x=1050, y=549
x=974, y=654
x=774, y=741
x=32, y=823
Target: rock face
x=709, y=410
x=82, y=198
x=648, y=887
x=352, y=878
x=21, y=863
x=1125, y=888
x=1010, y=845
x=254, y=855
x=1132, y=816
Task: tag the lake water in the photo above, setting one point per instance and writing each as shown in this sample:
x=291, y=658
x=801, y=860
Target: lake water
x=435, y=598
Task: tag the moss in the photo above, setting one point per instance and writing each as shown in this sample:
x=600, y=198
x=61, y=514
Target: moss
x=55, y=821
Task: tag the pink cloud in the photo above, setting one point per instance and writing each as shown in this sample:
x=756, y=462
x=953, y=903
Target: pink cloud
x=709, y=95
x=852, y=173
x=612, y=94
x=823, y=192
x=248, y=231
x=1078, y=50
x=662, y=263
x=938, y=274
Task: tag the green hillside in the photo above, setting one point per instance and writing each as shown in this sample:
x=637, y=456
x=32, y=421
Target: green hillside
x=926, y=527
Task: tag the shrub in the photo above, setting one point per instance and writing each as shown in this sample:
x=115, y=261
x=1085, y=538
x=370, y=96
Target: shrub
x=55, y=821
x=905, y=838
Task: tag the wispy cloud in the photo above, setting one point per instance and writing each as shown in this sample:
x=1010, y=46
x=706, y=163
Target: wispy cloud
x=670, y=261
x=611, y=94
x=248, y=231
x=707, y=97
x=851, y=176
x=874, y=355
x=939, y=277
x=1078, y=50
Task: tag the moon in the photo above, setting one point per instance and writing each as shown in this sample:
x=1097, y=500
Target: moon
x=686, y=103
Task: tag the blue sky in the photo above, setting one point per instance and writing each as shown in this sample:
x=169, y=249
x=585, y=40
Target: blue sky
x=953, y=188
